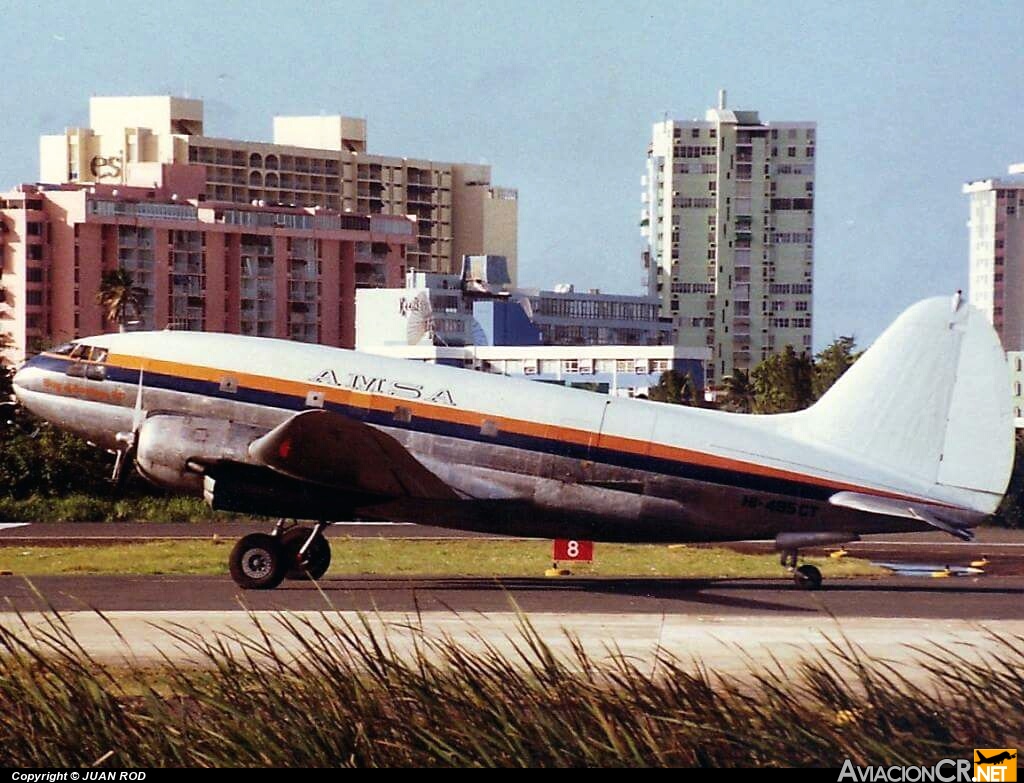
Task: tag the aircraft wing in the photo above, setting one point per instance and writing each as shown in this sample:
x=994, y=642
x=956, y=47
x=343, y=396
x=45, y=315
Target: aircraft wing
x=335, y=451
x=954, y=521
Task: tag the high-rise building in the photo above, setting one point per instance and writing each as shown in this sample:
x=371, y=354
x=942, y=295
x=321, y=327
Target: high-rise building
x=313, y=161
x=996, y=227
x=728, y=219
x=272, y=271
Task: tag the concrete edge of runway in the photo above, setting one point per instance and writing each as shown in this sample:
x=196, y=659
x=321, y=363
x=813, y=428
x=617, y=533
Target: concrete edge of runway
x=735, y=645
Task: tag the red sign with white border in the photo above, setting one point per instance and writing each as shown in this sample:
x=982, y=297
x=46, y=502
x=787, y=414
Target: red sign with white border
x=571, y=549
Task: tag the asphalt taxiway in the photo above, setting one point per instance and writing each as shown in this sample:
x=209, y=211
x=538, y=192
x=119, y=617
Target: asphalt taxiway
x=973, y=599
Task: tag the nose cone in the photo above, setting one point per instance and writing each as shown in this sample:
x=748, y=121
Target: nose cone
x=23, y=377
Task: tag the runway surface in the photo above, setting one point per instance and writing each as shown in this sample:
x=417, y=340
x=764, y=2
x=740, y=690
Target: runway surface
x=963, y=598
x=729, y=626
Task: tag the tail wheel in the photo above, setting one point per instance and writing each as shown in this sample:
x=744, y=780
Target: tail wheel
x=317, y=558
x=807, y=577
x=257, y=562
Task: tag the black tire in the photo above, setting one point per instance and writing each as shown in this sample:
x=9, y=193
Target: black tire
x=256, y=562
x=318, y=556
x=807, y=577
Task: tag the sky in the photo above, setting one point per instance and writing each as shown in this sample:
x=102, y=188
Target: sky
x=912, y=99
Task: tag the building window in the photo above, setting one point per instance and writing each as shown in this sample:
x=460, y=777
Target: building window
x=33, y=297
x=257, y=296
x=304, y=292
x=35, y=229
x=694, y=133
x=34, y=252
x=188, y=281
x=791, y=152
x=810, y=152
x=135, y=254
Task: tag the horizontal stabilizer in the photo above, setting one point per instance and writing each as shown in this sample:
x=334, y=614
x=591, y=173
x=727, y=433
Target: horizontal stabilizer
x=956, y=522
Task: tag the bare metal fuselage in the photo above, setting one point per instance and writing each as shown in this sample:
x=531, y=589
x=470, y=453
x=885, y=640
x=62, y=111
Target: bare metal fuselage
x=517, y=489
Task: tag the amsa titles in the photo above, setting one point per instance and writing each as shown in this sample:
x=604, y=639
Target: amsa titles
x=371, y=384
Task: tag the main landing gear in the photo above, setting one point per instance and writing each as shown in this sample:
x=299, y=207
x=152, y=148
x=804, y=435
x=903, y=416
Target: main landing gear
x=261, y=561
x=807, y=577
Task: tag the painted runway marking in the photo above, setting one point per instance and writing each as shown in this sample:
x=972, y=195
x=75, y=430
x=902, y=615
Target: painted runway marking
x=8, y=525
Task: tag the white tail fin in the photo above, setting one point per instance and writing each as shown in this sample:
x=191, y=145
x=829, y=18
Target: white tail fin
x=929, y=400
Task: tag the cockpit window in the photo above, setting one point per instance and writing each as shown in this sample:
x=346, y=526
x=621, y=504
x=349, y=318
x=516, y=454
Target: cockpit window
x=98, y=354
x=64, y=350
x=79, y=351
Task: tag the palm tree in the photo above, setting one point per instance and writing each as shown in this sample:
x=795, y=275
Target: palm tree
x=118, y=295
x=739, y=392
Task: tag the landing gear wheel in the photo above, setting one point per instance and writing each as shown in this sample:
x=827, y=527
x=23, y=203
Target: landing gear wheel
x=257, y=562
x=317, y=559
x=807, y=577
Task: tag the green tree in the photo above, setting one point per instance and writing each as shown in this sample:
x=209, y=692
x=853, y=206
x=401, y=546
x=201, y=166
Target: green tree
x=119, y=296
x=739, y=392
x=6, y=371
x=675, y=387
x=831, y=363
x=782, y=382
x=1011, y=510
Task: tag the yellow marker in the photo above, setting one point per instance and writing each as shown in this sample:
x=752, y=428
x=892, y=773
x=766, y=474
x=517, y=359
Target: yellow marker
x=980, y=563
x=839, y=553
x=941, y=574
x=556, y=571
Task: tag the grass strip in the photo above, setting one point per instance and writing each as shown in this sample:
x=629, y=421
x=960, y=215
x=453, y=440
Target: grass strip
x=349, y=697
x=415, y=557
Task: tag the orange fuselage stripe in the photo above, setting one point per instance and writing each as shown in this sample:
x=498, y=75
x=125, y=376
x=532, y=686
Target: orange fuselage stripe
x=448, y=414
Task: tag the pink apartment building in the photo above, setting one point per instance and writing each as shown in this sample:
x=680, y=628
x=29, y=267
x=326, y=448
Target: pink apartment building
x=273, y=271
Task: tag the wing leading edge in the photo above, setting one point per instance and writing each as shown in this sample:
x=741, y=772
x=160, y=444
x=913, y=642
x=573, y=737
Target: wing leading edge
x=332, y=450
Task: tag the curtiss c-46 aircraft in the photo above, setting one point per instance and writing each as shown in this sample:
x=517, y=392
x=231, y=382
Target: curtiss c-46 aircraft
x=918, y=435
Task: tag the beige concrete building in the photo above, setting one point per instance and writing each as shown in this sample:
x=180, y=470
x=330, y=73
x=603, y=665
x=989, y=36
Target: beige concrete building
x=728, y=219
x=312, y=161
x=996, y=226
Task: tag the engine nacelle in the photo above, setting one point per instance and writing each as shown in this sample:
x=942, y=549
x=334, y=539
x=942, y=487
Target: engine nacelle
x=169, y=448
x=251, y=489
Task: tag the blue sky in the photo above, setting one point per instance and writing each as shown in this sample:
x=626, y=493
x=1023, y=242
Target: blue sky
x=911, y=99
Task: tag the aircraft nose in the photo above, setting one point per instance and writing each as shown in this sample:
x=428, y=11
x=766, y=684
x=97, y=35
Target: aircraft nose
x=23, y=373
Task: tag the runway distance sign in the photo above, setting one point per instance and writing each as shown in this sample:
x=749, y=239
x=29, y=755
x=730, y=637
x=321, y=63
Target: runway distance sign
x=570, y=549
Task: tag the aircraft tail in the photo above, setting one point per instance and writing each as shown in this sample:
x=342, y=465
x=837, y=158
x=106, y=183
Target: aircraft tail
x=931, y=400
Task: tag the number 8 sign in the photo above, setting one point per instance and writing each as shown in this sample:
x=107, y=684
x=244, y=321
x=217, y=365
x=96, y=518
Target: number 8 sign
x=571, y=549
